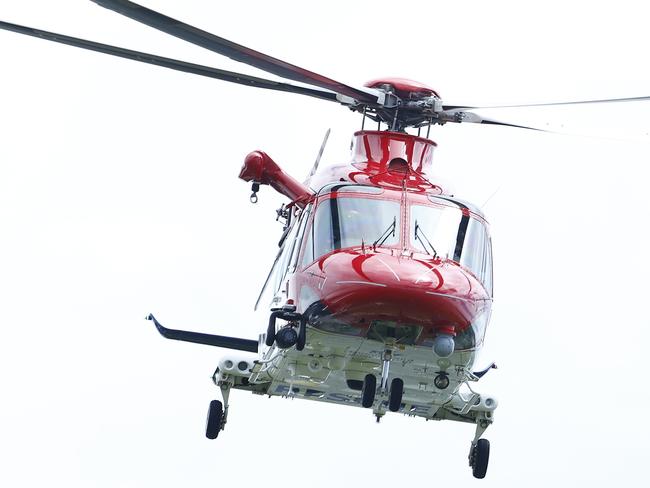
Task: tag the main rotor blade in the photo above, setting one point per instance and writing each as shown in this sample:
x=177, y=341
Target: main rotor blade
x=175, y=64
x=468, y=117
x=551, y=104
x=506, y=124
x=230, y=49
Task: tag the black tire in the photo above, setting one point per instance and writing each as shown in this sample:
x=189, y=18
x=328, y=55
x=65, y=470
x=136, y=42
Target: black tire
x=213, y=422
x=302, y=335
x=480, y=458
x=395, y=395
x=368, y=390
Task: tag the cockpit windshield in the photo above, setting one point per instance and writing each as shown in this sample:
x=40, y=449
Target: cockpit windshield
x=444, y=229
x=452, y=233
x=342, y=222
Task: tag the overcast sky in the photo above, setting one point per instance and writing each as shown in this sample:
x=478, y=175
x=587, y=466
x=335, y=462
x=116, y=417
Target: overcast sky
x=119, y=196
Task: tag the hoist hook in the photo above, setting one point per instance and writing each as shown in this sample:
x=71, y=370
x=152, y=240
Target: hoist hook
x=255, y=188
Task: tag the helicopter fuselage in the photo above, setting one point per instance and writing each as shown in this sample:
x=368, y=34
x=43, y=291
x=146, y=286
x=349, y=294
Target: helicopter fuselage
x=379, y=242
x=379, y=264
x=381, y=275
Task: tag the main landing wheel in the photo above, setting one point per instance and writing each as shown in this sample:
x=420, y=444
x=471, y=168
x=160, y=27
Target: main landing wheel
x=479, y=458
x=215, y=416
x=368, y=390
x=395, y=395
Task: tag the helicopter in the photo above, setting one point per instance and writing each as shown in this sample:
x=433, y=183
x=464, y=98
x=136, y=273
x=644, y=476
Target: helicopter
x=291, y=356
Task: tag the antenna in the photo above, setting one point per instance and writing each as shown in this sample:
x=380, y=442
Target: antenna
x=320, y=154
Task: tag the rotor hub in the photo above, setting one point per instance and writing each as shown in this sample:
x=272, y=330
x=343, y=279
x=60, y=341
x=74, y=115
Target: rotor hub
x=405, y=103
x=402, y=87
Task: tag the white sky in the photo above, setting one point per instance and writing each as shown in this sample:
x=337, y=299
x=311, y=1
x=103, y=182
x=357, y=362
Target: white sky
x=119, y=196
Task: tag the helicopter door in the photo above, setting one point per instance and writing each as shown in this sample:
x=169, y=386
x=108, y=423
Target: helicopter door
x=286, y=259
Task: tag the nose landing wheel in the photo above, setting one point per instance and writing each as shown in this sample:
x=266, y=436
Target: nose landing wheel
x=395, y=395
x=368, y=390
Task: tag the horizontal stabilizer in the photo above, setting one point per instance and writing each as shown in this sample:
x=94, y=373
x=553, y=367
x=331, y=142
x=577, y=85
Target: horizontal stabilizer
x=207, y=339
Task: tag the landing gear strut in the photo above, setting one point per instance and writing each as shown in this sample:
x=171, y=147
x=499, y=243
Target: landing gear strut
x=385, y=369
x=218, y=413
x=395, y=392
x=396, y=385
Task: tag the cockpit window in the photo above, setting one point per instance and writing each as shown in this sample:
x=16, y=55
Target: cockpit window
x=348, y=188
x=451, y=233
x=348, y=222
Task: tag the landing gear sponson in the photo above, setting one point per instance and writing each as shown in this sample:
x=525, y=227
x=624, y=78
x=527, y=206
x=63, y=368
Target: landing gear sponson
x=206, y=339
x=377, y=393
x=217, y=411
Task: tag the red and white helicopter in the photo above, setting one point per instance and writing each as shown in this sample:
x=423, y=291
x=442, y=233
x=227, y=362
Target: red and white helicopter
x=382, y=289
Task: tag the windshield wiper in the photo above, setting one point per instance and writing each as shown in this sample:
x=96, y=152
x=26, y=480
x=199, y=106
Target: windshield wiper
x=418, y=238
x=386, y=234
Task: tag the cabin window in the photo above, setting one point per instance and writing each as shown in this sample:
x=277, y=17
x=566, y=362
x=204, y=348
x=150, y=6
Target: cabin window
x=285, y=253
x=308, y=252
x=304, y=218
x=345, y=222
x=451, y=233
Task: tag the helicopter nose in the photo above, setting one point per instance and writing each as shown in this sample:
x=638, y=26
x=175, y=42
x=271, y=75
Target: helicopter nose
x=361, y=288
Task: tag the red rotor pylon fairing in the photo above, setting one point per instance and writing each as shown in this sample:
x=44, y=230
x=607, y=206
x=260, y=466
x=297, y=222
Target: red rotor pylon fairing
x=382, y=288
